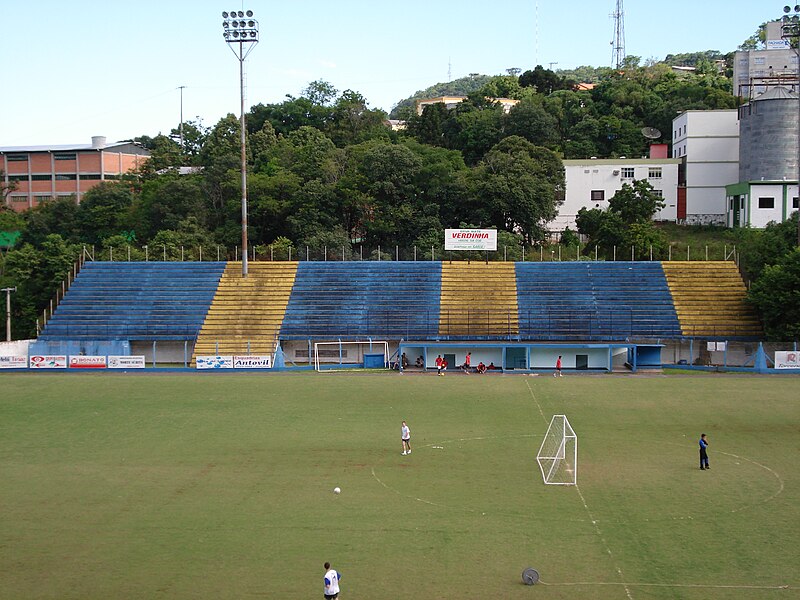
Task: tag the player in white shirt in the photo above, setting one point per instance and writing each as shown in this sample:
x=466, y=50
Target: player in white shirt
x=332, y=578
x=405, y=435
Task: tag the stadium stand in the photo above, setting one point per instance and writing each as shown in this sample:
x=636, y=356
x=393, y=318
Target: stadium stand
x=709, y=298
x=478, y=300
x=594, y=301
x=360, y=300
x=135, y=301
x=246, y=314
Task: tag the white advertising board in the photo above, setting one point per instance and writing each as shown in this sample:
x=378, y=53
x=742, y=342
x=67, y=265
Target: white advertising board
x=48, y=362
x=252, y=362
x=214, y=362
x=126, y=362
x=87, y=362
x=470, y=239
x=777, y=44
x=13, y=362
x=787, y=360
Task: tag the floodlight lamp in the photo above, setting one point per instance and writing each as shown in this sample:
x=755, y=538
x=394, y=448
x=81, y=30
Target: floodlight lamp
x=240, y=13
x=249, y=13
x=797, y=8
x=242, y=23
x=787, y=9
x=236, y=34
x=252, y=34
x=796, y=19
x=224, y=15
x=226, y=35
x=225, y=24
x=235, y=23
x=251, y=23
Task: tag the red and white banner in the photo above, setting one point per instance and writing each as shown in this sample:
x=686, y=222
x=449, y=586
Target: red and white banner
x=470, y=239
x=48, y=362
x=126, y=362
x=13, y=362
x=87, y=362
x=252, y=362
x=787, y=360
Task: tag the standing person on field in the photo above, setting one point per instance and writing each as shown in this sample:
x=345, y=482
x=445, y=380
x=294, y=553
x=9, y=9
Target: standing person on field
x=558, y=372
x=444, y=367
x=332, y=577
x=438, y=363
x=467, y=363
x=703, y=453
x=405, y=436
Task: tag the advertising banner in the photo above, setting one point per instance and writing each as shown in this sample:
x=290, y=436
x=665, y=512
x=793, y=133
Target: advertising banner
x=252, y=362
x=470, y=239
x=87, y=362
x=214, y=362
x=778, y=44
x=48, y=362
x=13, y=362
x=787, y=360
x=126, y=362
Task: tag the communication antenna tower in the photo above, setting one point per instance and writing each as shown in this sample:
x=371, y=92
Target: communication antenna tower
x=449, y=70
x=618, y=45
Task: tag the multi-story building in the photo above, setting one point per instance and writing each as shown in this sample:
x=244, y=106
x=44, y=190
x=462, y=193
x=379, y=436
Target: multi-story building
x=707, y=144
x=453, y=101
x=591, y=183
x=39, y=173
x=756, y=71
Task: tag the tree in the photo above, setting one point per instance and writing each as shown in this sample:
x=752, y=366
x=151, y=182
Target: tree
x=517, y=186
x=530, y=120
x=352, y=121
x=166, y=201
x=58, y=215
x=636, y=202
x=776, y=295
x=104, y=211
x=428, y=127
x=544, y=80
x=757, y=40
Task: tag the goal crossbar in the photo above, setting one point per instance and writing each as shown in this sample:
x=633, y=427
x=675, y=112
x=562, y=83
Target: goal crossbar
x=339, y=352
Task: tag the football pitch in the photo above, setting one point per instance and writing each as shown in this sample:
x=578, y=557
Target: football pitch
x=221, y=486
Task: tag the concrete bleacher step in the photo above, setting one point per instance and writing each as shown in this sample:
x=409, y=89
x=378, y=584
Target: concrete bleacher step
x=246, y=313
x=710, y=299
x=478, y=299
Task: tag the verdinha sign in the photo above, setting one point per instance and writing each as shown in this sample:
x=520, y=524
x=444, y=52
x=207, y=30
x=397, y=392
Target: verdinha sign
x=470, y=239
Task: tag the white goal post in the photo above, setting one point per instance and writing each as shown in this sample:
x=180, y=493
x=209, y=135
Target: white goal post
x=558, y=454
x=348, y=353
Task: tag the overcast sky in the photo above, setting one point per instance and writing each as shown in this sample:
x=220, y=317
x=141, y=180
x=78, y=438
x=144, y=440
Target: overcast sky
x=74, y=69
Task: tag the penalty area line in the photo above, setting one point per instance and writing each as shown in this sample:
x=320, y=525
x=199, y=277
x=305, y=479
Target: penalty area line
x=668, y=585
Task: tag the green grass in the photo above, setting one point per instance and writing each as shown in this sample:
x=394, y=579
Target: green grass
x=220, y=486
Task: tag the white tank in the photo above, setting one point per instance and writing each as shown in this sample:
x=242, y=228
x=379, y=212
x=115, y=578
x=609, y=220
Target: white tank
x=98, y=141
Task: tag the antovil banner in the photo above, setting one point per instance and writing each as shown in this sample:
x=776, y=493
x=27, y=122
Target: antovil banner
x=214, y=362
x=252, y=362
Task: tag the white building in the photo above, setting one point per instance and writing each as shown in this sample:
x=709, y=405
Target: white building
x=756, y=71
x=707, y=143
x=757, y=203
x=591, y=183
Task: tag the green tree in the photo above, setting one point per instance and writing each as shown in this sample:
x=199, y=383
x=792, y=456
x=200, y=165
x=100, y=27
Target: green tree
x=636, y=202
x=776, y=295
x=166, y=201
x=530, y=120
x=53, y=216
x=105, y=211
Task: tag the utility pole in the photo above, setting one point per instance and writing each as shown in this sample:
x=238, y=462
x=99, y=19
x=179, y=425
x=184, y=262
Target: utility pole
x=180, y=87
x=8, y=291
x=550, y=65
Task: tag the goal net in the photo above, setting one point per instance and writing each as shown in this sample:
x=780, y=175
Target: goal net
x=558, y=454
x=330, y=355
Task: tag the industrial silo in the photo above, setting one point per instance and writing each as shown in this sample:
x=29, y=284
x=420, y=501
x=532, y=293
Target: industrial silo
x=768, y=136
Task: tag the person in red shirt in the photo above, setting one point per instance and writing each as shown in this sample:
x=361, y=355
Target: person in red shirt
x=467, y=360
x=444, y=367
x=558, y=372
x=439, y=364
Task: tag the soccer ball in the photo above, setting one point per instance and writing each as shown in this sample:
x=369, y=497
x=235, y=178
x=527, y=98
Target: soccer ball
x=337, y=490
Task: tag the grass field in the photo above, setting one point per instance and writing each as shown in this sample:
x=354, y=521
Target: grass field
x=220, y=486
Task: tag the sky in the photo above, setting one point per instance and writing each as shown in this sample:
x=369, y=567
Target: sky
x=74, y=69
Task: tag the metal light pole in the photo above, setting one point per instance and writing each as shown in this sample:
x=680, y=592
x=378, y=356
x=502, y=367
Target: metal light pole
x=239, y=28
x=181, y=88
x=790, y=30
x=8, y=291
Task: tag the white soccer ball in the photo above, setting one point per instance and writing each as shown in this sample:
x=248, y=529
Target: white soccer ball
x=337, y=490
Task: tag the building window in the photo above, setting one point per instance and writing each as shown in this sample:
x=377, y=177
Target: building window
x=19, y=199
x=41, y=177
x=659, y=193
x=766, y=203
x=91, y=176
x=795, y=202
x=40, y=199
x=627, y=172
x=598, y=195
x=654, y=173
x=18, y=178
x=759, y=60
x=17, y=157
x=64, y=156
x=66, y=176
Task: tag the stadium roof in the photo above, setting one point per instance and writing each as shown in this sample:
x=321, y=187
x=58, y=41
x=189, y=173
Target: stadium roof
x=67, y=147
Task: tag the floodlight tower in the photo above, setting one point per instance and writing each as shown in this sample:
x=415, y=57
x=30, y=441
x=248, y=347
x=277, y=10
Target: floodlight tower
x=240, y=31
x=618, y=45
x=790, y=30
x=8, y=291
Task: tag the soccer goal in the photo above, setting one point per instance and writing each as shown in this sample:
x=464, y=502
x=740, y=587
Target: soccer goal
x=558, y=454
x=351, y=354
